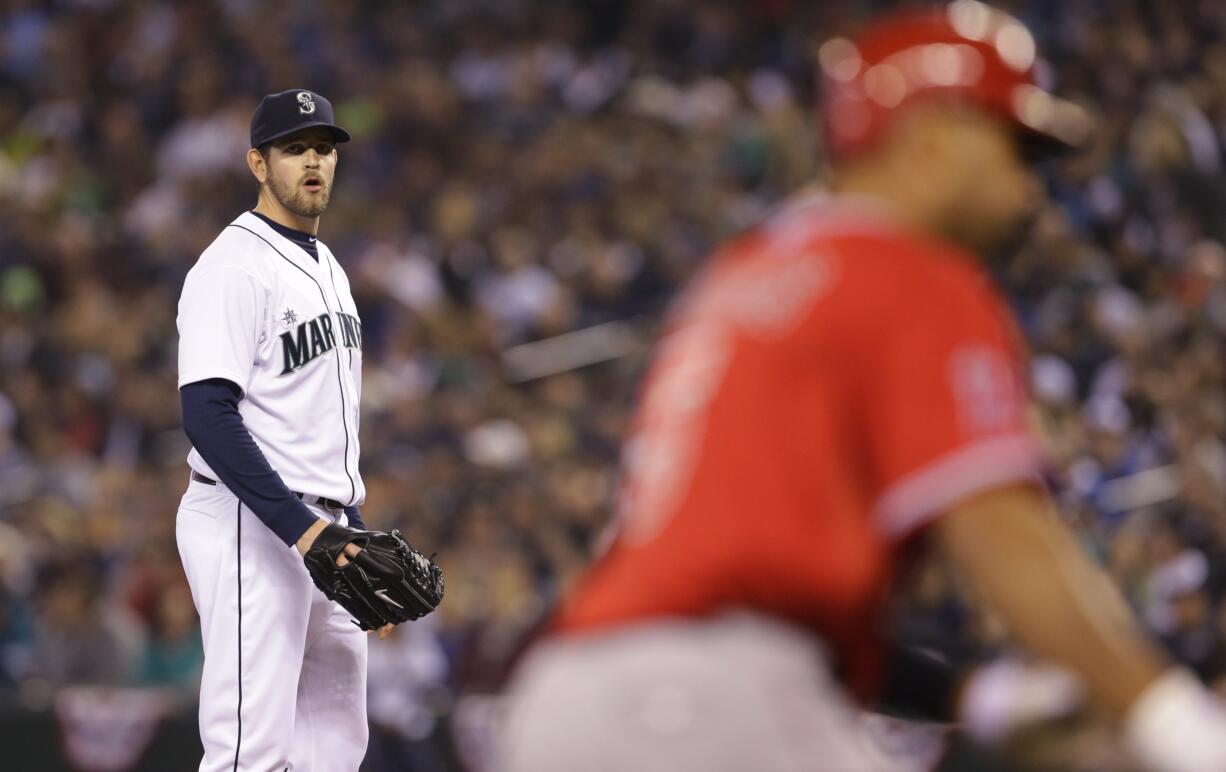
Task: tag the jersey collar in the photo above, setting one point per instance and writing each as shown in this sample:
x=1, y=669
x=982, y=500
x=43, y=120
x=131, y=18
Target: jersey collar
x=285, y=246
x=307, y=242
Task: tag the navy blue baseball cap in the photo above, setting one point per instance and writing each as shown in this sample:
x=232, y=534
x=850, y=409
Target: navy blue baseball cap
x=290, y=111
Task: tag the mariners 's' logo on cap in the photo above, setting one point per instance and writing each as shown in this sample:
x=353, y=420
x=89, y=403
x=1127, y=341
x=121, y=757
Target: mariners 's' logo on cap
x=306, y=102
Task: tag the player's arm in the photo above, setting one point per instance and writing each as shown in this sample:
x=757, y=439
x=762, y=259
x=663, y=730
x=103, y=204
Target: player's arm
x=215, y=427
x=1024, y=562
x=221, y=320
x=355, y=517
x=1027, y=567
x=948, y=438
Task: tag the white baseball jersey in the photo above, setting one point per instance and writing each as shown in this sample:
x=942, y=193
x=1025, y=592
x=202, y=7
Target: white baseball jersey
x=257, y=310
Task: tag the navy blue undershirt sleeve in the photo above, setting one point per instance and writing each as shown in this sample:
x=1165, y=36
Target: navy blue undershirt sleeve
x=215, y=427
x=355, y=518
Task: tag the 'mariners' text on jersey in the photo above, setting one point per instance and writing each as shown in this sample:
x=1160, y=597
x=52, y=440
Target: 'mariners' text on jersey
x=312, y=338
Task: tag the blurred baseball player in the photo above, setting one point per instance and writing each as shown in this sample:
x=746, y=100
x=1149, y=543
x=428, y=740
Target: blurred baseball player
x=270, y=357
x=839, y=380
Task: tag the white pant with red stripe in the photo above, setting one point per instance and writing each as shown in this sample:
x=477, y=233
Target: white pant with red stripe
x=735, y=693
x=284, y=683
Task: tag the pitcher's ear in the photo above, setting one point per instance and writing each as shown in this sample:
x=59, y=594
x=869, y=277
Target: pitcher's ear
x=257, y=162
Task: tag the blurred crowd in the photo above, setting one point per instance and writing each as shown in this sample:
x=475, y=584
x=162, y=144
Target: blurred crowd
x=522, y=169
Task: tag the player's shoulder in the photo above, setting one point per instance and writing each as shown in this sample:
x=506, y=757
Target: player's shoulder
x=240, y=246
x=876, y=255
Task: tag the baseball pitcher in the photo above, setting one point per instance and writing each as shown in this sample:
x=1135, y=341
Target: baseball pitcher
x=283, y=572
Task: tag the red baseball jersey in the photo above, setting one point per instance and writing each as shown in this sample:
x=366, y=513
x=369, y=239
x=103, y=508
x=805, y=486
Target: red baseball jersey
x=828, y=385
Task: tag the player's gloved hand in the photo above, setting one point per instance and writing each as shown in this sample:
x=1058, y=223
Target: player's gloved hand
x=387, y=582
x=1177, y=725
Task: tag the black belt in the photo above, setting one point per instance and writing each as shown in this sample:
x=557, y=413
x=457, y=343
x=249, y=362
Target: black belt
x=307, y=498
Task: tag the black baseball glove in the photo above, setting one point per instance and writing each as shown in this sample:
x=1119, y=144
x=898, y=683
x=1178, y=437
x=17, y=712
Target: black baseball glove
x=388, y=582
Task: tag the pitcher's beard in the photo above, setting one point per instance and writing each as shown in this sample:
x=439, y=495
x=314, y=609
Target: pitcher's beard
x=297, y=200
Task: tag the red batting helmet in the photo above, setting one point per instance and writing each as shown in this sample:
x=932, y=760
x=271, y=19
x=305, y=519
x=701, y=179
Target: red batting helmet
x=965, y=52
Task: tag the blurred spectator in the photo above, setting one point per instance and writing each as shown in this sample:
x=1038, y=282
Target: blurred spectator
x=174, y=653
x=16, y=614
x=80, y=639
x=406, y=695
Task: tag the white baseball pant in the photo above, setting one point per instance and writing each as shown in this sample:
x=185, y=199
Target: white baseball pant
x=737, y=692
x=284, y=681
